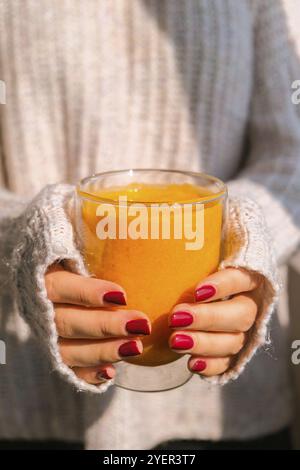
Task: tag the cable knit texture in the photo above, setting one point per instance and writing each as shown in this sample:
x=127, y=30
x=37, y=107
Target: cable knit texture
x=201, y=85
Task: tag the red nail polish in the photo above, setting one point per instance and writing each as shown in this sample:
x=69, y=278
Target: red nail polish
x=204, y=293
x=179, y=319
x=104, y=375
x=138, y=327
x=199, y=366
x=129, y=349
x=182, y=342
x=115, y=297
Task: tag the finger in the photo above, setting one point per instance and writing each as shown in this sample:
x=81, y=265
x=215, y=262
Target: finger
x=209, y=366
x=207, y=344
x=235, y=315
x=65, y=287
x=81, y=322
x=227, y=282
x=95, y=375
x=84, y=353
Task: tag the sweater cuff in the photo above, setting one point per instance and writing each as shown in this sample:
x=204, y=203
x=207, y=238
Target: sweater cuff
x=46, y=236
x=247, y=245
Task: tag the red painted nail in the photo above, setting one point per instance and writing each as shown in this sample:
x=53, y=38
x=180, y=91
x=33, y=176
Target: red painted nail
x=204, y=293
x=104, y=375
x=199, y=366
x=179, y=319
x=129, y=349
x=182, y=342
x=138, y=327
x=115, y=297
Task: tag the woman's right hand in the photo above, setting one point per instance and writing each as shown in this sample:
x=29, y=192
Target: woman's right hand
x=92, y=336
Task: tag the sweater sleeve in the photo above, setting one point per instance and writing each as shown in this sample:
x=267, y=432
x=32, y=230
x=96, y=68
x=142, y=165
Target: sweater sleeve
x=247, y=245
x=33, y=236
x=272, y=173
x=264, y=200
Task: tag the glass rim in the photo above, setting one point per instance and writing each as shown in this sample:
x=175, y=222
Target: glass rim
x=93, y=198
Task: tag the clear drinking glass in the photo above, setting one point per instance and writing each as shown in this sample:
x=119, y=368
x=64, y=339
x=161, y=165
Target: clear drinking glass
x=157, y=233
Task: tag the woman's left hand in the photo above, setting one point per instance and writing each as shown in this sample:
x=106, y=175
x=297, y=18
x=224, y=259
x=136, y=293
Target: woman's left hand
x=212, y=330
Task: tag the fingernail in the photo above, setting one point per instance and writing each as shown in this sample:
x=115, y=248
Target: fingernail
x=199, y=366
x=179, y=319
x=115, y=297
x=182, y=342
x=205, y=292
x=138, y=327
x=104, y=375
x=129, y=349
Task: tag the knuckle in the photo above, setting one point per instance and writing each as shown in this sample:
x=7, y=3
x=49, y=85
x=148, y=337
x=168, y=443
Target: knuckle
x=63, y=327
x=206, y=343
x=62, y=351
x=225, y=366
x=242, y=276
x=252, y=279
x=206, y=316
x=83, y=295
x=253, y=308
x=249, y=280
x=98, y=356
x=104, y=327
x=257, y=279
x=239, y=343
x=210, y=315
x=247, y=318
x=245, y=277
x=50, y=286
x=114, y=325
x=233, y=275
x=246, y=321
x=106, y=352
x=51, y=276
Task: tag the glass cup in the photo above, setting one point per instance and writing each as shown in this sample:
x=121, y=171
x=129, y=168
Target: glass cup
x=157, y=233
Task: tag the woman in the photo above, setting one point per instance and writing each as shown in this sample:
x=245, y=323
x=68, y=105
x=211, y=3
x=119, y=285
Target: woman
x=198, y=85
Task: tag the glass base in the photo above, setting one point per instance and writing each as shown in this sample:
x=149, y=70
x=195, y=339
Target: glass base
x=153, y=379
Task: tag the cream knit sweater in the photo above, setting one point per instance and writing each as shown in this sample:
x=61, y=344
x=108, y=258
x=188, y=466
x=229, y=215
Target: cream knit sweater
x=105, y=84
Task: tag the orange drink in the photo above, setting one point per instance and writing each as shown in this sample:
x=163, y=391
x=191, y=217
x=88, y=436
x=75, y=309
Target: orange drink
x=156, y=237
